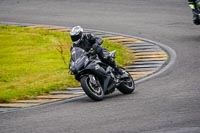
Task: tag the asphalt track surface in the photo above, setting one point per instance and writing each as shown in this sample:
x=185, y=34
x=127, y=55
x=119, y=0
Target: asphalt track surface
x=168, y=103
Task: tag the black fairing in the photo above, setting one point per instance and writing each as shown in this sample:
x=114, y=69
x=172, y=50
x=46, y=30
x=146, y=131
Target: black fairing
x=82, y=63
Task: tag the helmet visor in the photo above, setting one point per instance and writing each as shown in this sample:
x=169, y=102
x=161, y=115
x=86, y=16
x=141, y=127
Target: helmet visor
x=76, y=37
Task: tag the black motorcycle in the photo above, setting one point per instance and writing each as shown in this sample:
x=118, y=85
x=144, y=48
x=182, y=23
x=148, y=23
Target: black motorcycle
x=97, y=78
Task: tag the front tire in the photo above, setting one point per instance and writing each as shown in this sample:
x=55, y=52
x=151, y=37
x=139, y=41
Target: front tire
x=127, y=86
x=95, y=93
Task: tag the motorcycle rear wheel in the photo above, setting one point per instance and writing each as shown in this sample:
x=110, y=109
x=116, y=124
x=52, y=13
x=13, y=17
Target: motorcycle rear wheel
x=95, y=93
x=127, y=86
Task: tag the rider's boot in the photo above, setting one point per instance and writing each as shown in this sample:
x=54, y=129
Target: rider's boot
x=118, y=70
x=113, y=64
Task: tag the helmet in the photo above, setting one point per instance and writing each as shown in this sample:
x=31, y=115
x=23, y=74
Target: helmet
x=76, y=34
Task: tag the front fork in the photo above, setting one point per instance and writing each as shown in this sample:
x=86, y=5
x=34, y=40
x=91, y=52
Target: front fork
x=94, y=81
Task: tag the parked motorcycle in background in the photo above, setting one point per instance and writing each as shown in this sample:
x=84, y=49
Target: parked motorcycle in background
x=97, y=78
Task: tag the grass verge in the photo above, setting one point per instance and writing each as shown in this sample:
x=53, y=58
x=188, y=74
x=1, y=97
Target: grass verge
x=32, y=65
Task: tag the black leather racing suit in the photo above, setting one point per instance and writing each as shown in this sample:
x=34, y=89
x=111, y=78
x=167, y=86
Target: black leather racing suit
x=90, y=41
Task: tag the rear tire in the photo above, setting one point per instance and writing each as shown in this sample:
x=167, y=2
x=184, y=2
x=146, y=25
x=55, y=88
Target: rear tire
x=95, y=93
x=127, y=86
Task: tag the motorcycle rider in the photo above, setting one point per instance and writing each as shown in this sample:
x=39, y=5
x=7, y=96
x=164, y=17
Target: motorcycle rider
x=89, y=42
x=195, y=6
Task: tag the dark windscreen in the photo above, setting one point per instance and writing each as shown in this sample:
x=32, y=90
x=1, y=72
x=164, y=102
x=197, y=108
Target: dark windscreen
x=76, y=53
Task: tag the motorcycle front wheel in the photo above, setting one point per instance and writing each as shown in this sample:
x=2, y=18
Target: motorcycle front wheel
x=93, y=91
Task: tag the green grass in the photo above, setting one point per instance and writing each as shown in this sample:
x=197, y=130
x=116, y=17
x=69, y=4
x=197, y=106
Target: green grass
x=31, y=63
